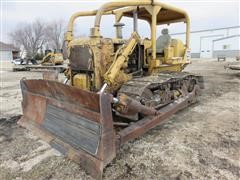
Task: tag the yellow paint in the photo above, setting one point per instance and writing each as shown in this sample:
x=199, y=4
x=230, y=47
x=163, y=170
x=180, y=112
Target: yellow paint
x=120, y=62
x=81, y=81
x=109, y=65
x=52, y=59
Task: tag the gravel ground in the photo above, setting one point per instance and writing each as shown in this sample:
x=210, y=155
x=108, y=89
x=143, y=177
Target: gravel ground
x=199, y=142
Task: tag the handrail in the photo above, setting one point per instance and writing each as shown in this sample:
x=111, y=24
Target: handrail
x=115, y=5
x=69, y=33
x=109, y=8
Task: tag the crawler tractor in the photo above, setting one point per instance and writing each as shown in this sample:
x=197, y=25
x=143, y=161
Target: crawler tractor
x=116, y=89
x=52, y=59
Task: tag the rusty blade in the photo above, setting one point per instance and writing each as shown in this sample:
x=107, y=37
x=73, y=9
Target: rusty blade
x=76, y=122
x=61, y=92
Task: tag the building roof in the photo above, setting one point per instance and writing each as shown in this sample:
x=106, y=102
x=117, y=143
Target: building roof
x=228, y=37
x=8, y=47
x=204, y=30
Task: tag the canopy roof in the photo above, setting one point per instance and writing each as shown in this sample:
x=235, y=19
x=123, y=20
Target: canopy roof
x=164, y=15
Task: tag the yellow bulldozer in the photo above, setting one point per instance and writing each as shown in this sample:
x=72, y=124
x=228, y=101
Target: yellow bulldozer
x=115, y=89
x=52, y=59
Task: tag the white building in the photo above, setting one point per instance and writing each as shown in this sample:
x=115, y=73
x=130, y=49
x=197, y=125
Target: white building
x=226, y=46
x=213, y=42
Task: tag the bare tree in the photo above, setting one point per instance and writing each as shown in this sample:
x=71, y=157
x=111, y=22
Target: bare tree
x=55, y=34
x=31, y=36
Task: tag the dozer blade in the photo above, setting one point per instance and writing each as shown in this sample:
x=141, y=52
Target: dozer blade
x=76, y=122
x=80, y=124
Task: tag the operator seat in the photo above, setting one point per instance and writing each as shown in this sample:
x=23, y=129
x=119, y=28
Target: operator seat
x=163, y=41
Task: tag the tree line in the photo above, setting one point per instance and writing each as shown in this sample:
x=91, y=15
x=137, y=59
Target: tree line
x=39, y=35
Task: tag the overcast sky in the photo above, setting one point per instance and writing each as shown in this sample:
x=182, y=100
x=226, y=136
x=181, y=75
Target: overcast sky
x=203, y=14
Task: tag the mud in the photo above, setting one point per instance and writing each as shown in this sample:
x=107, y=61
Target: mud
x=199, y=142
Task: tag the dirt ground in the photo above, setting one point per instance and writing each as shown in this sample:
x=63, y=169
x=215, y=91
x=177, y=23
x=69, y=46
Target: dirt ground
x=199, y=142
